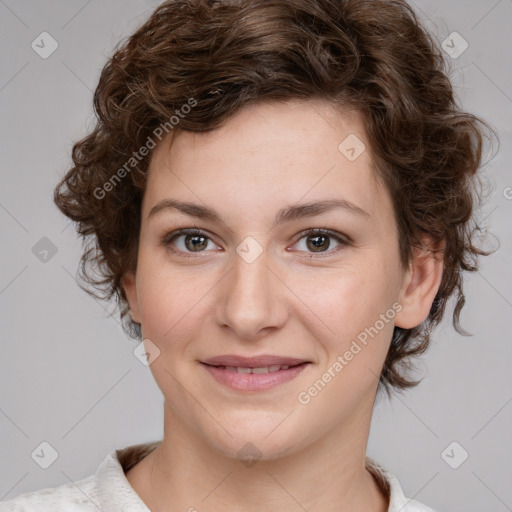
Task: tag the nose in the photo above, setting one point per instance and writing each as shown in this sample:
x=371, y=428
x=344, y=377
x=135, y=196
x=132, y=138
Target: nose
x=252, y=298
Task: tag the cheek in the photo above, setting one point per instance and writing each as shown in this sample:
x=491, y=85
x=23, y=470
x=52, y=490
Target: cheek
x=170, y=303
x=354, y=326
x=351, y=307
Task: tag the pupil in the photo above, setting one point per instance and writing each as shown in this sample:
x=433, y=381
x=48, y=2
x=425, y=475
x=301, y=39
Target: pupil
x=195, y=246
x=316, y=244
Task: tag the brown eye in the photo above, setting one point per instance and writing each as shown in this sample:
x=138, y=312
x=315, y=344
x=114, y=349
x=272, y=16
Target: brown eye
x=320, y=241
x=187, y=241
x=195, y=243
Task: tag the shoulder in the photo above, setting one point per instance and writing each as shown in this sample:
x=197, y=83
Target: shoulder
x=73, y=497
x=108, y=489
x=391, y=487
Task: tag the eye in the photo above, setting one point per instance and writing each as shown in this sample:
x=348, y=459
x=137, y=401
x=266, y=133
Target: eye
x=187, y=240
x=319, y=240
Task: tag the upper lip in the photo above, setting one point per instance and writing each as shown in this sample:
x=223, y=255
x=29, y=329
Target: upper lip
x=253, y=362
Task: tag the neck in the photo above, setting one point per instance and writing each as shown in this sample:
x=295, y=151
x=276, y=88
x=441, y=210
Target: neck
x=187, y=473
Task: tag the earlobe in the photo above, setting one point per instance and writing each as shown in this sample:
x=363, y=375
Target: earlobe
x=128, y=282
x=420, y=285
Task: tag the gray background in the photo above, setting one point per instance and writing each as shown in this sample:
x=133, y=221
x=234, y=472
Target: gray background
x=68, y=374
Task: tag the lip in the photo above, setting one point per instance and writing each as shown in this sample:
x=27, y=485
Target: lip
x=253, y=362
x=216, y=367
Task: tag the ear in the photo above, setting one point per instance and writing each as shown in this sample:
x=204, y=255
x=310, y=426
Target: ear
x=421, y=284
x=128, y=282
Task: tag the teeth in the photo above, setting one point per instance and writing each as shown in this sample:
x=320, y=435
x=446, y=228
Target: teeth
x=263, y=369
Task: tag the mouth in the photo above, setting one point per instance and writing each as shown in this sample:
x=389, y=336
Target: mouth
x=262, y=361
x=254, y=373
x=261, y=369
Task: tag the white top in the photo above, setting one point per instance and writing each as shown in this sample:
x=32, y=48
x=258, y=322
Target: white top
x=109, y=490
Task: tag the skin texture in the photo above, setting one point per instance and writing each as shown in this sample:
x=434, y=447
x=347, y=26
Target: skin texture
x=290, y=301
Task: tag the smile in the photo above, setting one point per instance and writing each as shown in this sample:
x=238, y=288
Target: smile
x=263, y=369
x=261, y=378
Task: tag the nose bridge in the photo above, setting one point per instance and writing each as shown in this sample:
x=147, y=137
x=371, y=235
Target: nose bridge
x=252, y=297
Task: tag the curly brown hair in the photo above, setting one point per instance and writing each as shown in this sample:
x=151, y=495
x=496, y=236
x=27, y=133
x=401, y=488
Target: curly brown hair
x=219, y=56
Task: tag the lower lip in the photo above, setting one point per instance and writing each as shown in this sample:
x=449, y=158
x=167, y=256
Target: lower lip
x=254, y=381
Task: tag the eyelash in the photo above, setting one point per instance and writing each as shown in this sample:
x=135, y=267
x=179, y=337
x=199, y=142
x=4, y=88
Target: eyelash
x=171, y=237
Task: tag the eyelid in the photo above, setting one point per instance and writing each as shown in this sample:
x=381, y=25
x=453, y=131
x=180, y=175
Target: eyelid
x=325, y=231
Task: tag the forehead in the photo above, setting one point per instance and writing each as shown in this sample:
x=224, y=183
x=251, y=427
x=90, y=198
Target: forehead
x=266, y=155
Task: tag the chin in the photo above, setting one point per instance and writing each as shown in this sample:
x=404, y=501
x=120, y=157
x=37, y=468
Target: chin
x=249, y=444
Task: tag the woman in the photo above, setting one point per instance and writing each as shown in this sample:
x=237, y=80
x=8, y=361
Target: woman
x=280, y=193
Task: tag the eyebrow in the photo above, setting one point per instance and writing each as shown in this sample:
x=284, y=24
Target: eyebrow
x=287, y=214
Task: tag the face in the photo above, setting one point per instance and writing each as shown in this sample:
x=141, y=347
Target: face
x=255, y=279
